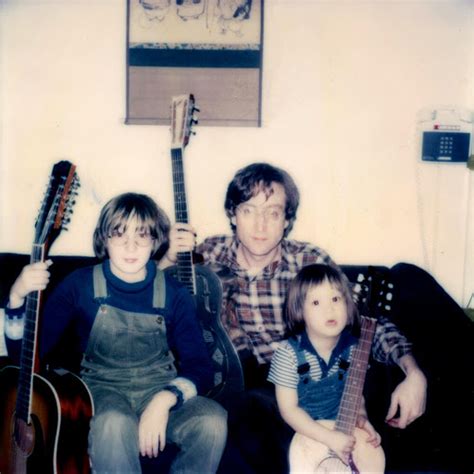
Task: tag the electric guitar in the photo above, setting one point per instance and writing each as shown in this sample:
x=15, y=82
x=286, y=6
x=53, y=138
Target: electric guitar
x=202, y=283
x=309, y=456
x=45, y=418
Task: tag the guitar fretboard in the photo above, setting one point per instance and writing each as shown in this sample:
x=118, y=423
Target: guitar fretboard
x=186, y=274
x=28, y=348
x=352, y=395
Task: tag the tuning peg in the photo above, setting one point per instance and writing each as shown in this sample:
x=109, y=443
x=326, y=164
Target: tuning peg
x=194, y=121
x=196, y=109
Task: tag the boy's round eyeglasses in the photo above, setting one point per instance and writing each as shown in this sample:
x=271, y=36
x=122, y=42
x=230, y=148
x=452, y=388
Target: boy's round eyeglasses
x=118, y=239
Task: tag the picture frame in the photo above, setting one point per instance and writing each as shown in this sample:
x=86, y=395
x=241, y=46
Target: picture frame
x=209, y=48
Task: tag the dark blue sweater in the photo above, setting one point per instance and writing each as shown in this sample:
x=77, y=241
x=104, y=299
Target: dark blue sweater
x=72, y=306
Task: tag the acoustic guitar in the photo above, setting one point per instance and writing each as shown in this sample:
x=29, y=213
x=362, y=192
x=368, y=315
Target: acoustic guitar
x=309, y=456
x=201, y=281
x=44, y=417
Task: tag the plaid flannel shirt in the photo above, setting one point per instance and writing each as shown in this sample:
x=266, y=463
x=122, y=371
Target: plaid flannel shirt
x=253, y=306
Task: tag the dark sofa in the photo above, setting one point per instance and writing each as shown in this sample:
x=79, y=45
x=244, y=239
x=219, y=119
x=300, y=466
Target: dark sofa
x=443, y=346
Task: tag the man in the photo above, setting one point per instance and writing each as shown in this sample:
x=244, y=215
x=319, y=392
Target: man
x=261, y=204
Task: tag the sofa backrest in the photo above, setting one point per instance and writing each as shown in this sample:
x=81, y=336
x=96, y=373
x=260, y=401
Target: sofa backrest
x=228, y=373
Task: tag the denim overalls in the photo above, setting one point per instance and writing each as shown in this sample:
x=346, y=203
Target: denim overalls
x=319, y=398
x=126, y=362
x=128, y=351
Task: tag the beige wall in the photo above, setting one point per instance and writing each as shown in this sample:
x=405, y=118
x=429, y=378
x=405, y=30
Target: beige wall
x=343, y=82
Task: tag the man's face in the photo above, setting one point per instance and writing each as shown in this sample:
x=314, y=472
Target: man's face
x=260, y=222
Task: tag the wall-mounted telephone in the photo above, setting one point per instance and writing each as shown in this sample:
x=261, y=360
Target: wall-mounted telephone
x=445, y=134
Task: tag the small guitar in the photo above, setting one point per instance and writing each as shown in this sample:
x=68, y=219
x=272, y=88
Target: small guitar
x=45, y=418
x=202, y=283
x=309, y=456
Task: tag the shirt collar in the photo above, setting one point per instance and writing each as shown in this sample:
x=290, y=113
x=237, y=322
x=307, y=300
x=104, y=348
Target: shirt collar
x=347, y=339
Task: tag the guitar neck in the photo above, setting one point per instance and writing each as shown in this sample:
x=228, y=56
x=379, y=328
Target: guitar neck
x=186, y=274
x=28, y=358
x=352, y=395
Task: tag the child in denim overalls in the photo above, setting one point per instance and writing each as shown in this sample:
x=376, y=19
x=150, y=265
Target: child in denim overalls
x=309, y=369
x=132, y=322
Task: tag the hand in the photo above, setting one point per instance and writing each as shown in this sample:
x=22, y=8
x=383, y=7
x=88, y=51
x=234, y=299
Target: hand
x=410, y=397
x=341, y=444
x=153, y=423
x=374, y=438
x=182, y=238
x=33, y=277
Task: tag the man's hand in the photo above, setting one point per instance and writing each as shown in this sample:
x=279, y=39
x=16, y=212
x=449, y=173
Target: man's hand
x=182, y=238
x=409, y=397
x=153, y=423
x=33, y=277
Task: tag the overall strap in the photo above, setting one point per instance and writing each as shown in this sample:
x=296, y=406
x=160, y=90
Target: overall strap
x=100, y=283
x=159, y=289
x=344, y=362
x=303, y=365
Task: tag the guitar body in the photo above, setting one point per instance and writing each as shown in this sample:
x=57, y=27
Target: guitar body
x=228, y=377
x=309, y=456
x=56, y=440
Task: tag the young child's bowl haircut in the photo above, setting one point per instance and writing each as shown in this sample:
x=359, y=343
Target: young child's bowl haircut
x=119, y=210
x=307, y=277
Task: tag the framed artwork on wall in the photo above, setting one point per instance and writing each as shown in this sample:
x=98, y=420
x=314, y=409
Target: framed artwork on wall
x=209, y=48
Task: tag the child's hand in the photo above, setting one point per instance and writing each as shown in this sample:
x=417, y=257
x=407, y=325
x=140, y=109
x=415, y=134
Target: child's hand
x=153, y=423
x=33, y=277
x=341, y=444
x=374, y=438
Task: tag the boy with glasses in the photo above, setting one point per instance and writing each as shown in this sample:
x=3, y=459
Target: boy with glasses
x=132, y=323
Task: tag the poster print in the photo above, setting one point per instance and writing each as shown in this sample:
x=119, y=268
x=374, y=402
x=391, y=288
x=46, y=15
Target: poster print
x=209, y=48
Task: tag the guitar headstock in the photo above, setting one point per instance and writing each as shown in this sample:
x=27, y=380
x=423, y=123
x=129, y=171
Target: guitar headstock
x=57, y=204
x=374, y=293
x=183, y=117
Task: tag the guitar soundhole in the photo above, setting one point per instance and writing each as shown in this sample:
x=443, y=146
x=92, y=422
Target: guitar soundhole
x=333, y=464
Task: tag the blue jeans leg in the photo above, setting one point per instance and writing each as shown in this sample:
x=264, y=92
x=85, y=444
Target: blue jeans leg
x=199, y=428
x=113, y=436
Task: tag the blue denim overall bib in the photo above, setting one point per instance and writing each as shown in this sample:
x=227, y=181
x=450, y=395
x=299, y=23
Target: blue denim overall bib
x=128, y=351
x=319, y=398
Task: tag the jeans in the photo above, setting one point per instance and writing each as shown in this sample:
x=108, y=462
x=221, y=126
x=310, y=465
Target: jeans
x=198, y=428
